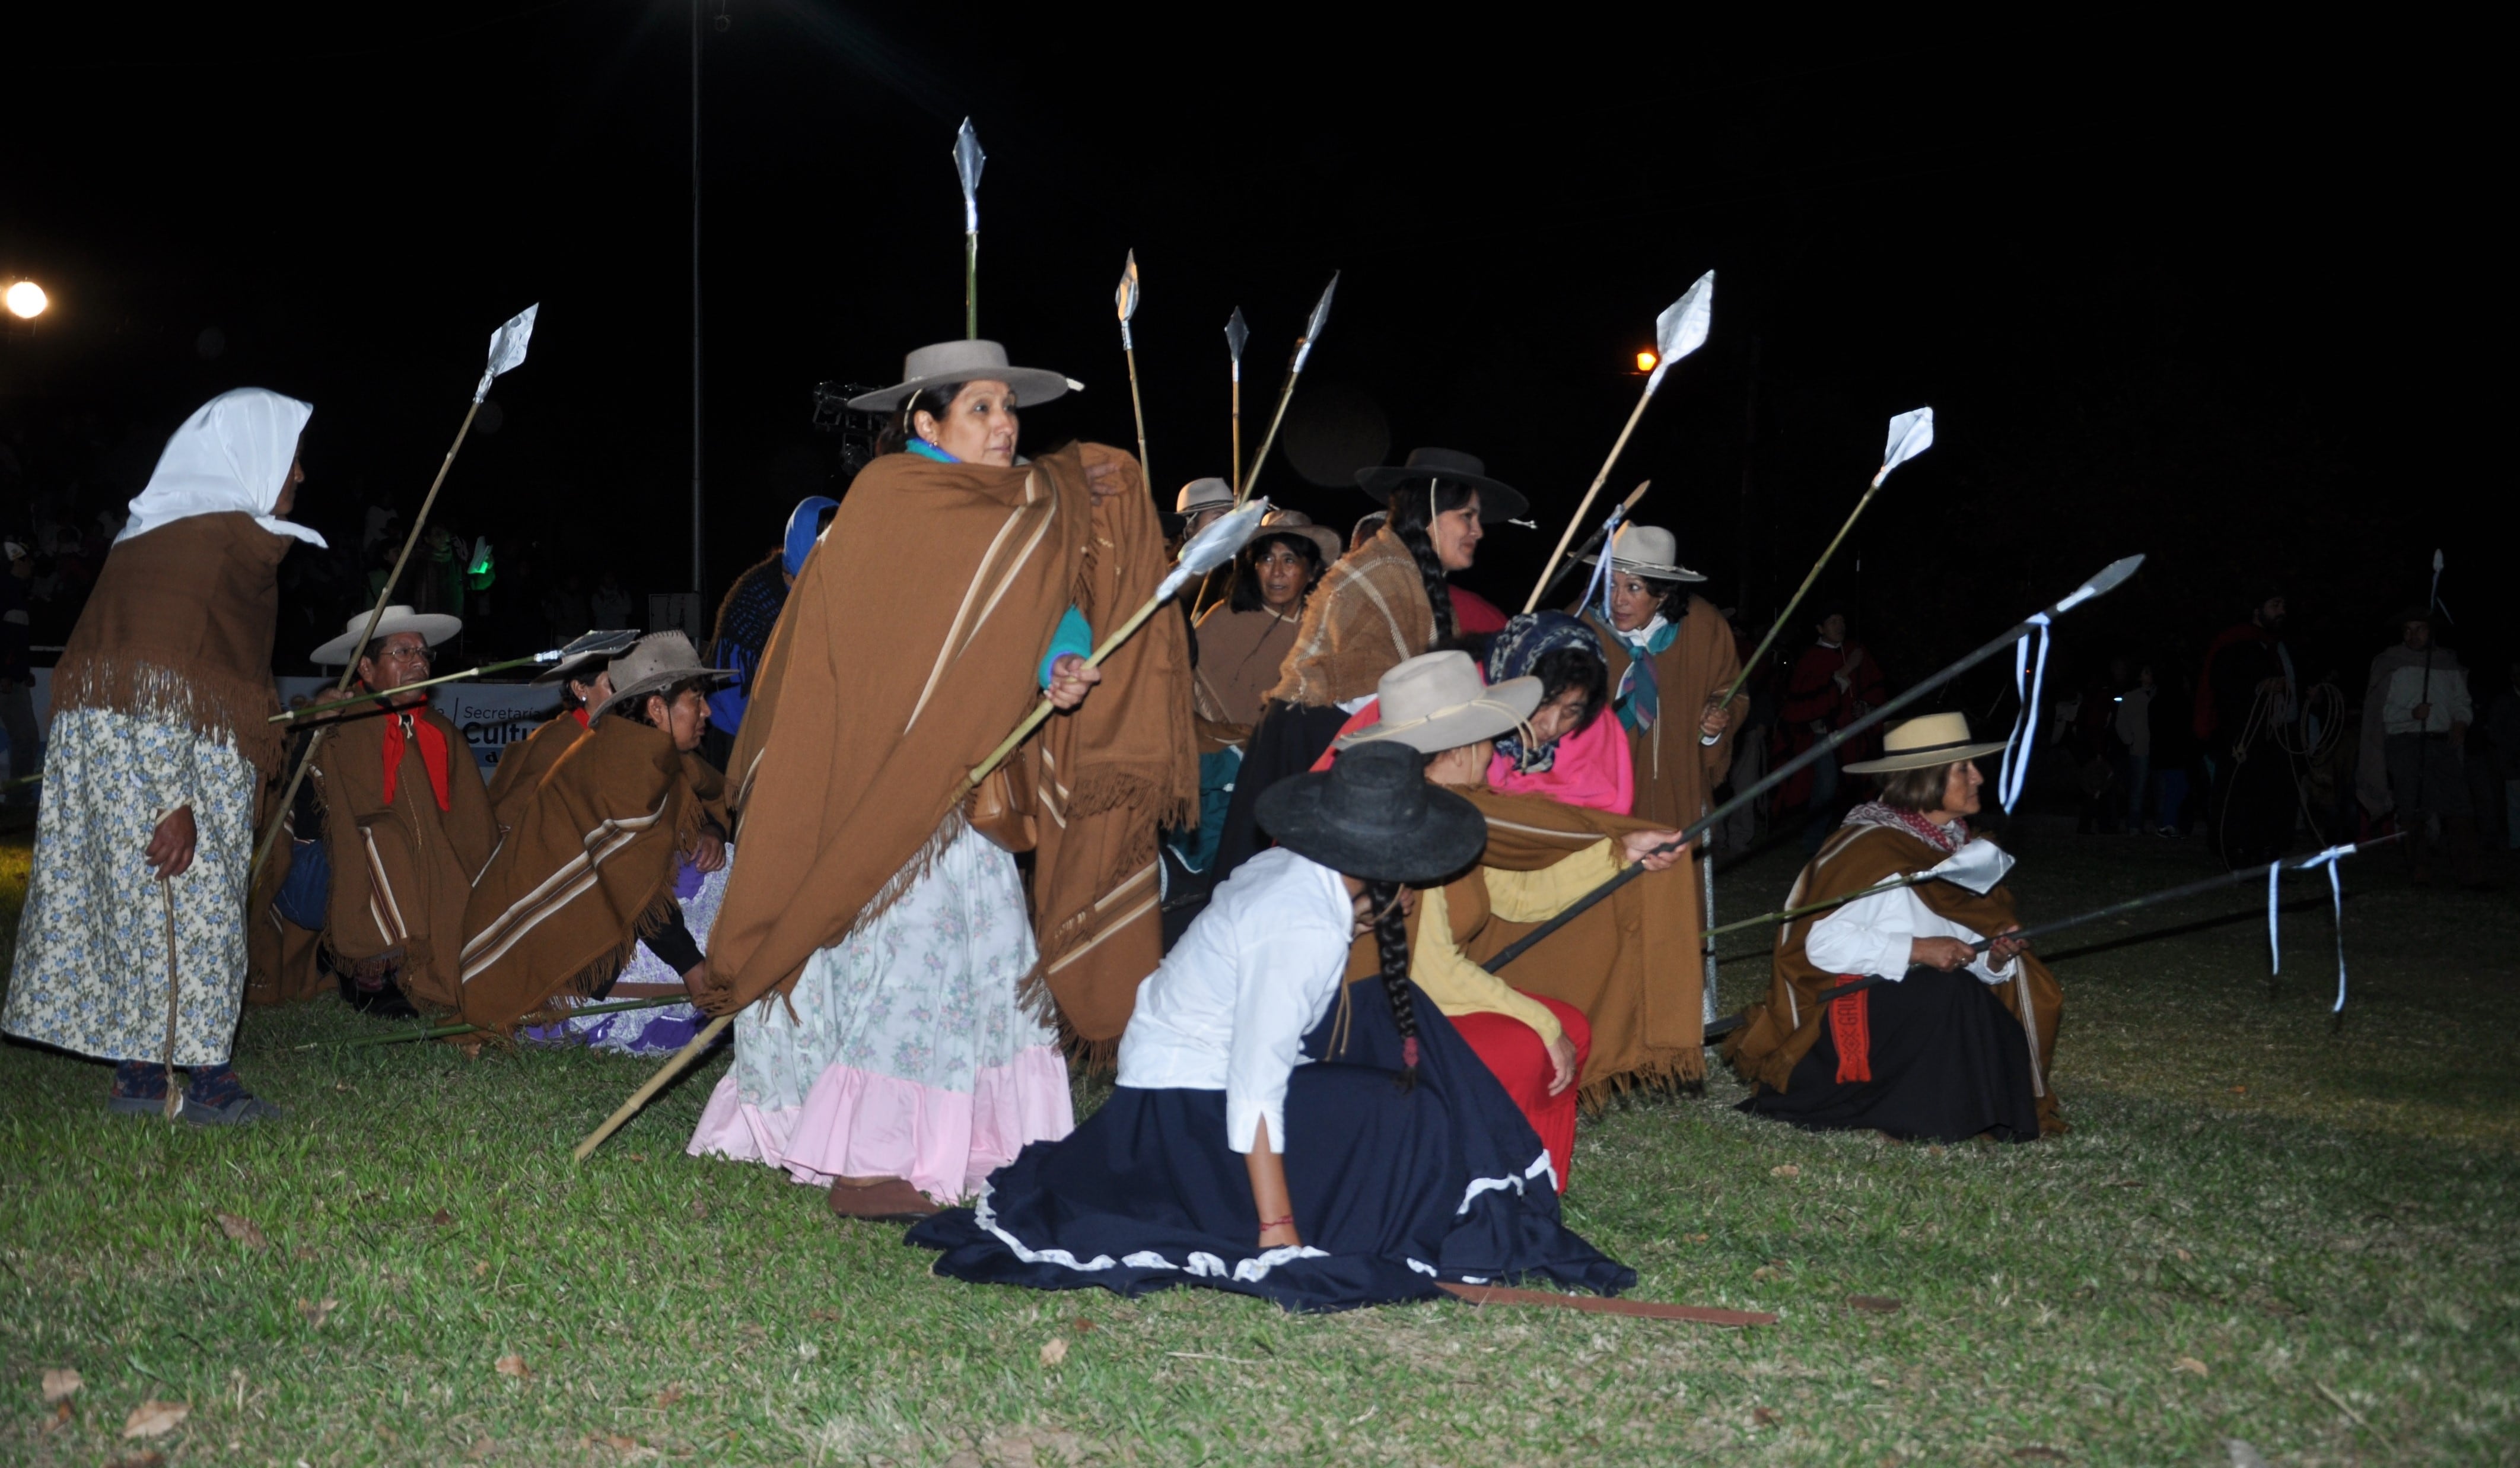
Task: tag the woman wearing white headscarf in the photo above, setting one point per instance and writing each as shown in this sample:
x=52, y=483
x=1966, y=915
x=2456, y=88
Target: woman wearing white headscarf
x=132, y=945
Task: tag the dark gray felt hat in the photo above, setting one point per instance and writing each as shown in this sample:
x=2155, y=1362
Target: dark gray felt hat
x=1374, y=816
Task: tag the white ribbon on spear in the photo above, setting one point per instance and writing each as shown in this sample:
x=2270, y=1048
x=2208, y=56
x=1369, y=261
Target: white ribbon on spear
x=507, y=351
x=1679, y=330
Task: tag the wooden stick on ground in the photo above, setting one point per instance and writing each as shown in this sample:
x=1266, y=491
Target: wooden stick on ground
x=656, y=1083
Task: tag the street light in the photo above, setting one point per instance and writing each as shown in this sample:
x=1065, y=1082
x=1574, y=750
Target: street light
x=26, y=299
x=1645, y=362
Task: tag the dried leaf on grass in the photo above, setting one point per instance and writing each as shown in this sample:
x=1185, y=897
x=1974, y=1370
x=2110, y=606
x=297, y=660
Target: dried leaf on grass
x=2037, y=1451
x=1787, y=1170
x=441, y=1217
x=1054, y=1350
x=511, y=1365
x=244, y=1230
x=2189, y=1363
x=668, y=1397
x=60, y=1382
x=61, y=1417
x=317, y=1312
x=153, y=1418
x=1763, y=1274
x=1879, y=1305
x=146, y=1458
x=1762, y=1417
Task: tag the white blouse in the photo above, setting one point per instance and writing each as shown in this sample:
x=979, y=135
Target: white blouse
x=1229, y=1007
x=1871, y=935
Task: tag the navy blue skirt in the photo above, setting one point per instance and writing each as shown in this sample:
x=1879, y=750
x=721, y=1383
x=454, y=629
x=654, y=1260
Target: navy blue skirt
x=1393, y=1190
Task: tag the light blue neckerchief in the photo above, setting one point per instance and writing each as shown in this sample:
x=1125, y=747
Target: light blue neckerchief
x=928, y=450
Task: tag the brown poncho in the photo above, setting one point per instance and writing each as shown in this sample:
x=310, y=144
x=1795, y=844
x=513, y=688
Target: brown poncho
x=1630, y=963
x=179, y=629
x=1675, y=774
x=402, y=869
x=910, y=646
x=1368, y=615
x=522, y=767
x=584, y=871
x=1778, y=1029
x=1240, y=655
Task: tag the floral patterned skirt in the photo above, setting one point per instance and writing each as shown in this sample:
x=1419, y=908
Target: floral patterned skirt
x=92, y=971
x=907, y=1054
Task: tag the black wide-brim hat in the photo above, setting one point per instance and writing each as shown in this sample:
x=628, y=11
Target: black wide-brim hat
x=1374, y=816
x=1497, y=500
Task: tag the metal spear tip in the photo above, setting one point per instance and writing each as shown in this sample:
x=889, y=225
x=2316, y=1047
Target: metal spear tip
x=1214, y=545
x=1236, y=332
x=1910, y=434
x=614, y=641
x=2110, y=578
x=968, y=160
x=1313, y=324
x=1126, y=296
x=1682, y=327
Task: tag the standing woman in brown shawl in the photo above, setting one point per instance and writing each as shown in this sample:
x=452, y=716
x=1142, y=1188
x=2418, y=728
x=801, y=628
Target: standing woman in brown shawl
x=892, y=1037
x=132, y=945
x=1670, y=658
x=1384, y=603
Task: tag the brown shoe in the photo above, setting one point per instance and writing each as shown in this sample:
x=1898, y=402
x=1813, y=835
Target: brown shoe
x=887, y=1200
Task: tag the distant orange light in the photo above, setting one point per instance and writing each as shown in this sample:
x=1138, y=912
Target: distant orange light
x=1645, y=362
x=26, y=299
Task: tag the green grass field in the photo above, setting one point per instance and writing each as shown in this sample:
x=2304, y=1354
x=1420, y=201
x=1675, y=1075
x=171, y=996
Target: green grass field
x=2258, y=1230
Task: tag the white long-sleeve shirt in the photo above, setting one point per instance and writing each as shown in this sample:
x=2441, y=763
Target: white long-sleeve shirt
x=1871, y=935
x=1229, y=1007
x=2444, y=689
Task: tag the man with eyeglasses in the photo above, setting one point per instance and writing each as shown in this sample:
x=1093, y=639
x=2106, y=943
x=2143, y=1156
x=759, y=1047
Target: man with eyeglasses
x=407, y=821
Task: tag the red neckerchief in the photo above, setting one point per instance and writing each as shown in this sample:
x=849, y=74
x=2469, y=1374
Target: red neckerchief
x=579, y=714
x=432, y=754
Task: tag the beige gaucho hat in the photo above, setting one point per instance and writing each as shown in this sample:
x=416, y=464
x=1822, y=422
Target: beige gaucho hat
x=656, y=663
x=966, y=362
x=1650, y=551
x=1437, y=701
x=434, y=628
x=1297, y=522
x=1209, y=494
x=1923, y=743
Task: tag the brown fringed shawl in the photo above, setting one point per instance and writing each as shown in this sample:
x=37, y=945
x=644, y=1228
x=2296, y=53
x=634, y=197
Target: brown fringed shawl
x=402, y=870
x=179, y=629
x=1124, y=764
x=1675, y=773
x=522, y=767
x=585, y=870
x=1783, y=1028
x=911, y=645
x=1630, y=963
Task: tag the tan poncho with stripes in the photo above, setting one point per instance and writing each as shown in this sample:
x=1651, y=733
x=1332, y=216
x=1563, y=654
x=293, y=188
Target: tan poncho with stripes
x=909, y=647
x=1368, y=615
x=402, y=869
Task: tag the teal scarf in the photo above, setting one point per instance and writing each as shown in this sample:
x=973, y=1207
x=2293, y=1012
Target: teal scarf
x=1639, y=698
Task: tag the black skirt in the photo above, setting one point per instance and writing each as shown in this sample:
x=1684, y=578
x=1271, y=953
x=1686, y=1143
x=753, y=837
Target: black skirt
x=1393, y=1190
x=1949, y=1062
x=1286, y=742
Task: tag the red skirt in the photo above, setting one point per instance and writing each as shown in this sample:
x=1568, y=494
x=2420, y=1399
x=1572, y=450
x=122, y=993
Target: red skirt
x=1514, y=1051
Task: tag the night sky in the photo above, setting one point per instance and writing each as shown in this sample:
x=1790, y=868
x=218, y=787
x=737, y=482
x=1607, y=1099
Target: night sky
x=2208, y=297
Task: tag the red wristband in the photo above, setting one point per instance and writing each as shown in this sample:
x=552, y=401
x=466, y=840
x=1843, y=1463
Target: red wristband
x=1269, y=1223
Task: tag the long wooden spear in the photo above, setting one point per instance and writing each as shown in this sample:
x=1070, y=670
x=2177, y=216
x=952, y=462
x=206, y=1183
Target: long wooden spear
x=1679, y=330
x=1313, y=324
x=1593, y=543
x=1126, y=299
x=1910, y=434
x=1235, y=333
x=2109, y=579
x=1203, y=553
x=607, y=643
x=506, y=349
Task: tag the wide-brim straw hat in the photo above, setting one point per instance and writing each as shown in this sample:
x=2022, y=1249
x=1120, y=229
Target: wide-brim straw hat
x=1437, y=701
x=1648, y=551
x=1374, y=816
x=969, y=361
x=1497, y=500
x=434, y=628
x=1297, y=522
x=1923, y=743
x=656, y=663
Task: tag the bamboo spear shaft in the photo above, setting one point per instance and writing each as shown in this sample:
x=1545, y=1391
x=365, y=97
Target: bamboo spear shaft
x=592, y=642
x=1250, y=478
x=1235, y=333
x=1126, y=299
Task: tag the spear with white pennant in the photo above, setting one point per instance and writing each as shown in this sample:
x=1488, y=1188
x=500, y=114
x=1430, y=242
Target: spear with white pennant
x=1910, y=434
x=506, y=349
x=1679, y=330
x=593, y=644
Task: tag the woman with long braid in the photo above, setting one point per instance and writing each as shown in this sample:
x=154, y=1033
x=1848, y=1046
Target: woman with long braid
x=1383, y=603
x=1276, y=1132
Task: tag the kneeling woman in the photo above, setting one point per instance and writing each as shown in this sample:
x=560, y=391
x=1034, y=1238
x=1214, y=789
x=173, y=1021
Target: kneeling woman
x=1232, y=1154
x=1957, y=1043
